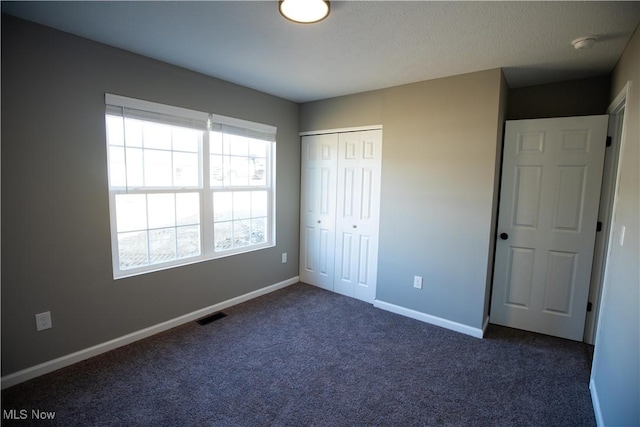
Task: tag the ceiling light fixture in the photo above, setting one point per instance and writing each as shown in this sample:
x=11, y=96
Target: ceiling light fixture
x=584, y=42
x=304, y=11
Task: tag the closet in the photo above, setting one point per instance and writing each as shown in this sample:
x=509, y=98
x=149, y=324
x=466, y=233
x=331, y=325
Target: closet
x=340, y=210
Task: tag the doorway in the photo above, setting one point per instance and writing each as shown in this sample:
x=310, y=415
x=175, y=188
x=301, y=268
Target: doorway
x=616, y=113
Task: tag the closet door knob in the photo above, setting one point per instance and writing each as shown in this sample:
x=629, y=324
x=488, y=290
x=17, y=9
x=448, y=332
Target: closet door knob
x=319, y=221
x=504, y=236
x=355, y=226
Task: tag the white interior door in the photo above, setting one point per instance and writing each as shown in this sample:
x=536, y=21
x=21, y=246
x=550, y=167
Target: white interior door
x=551, y=178
x=318, y=209
x=358, y=207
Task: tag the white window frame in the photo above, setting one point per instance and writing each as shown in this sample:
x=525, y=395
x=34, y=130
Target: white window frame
x=208, y=122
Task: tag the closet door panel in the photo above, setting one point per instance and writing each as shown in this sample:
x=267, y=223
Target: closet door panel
x=358, y=200
x=318, y=209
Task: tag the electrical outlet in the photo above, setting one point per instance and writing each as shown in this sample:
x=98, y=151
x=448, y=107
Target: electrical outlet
x=417, y=282
x=284, y=257
x=43, y=321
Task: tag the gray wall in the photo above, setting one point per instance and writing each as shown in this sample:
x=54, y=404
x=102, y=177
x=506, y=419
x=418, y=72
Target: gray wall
x=441, y=141
x=56, y=252
x=572, y=98
x=616, y=366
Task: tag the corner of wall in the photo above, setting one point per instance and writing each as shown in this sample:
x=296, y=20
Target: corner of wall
x=501, y=115
x=595, y=401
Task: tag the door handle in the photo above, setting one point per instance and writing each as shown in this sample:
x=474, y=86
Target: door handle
x=355, y=226
x=504, y=236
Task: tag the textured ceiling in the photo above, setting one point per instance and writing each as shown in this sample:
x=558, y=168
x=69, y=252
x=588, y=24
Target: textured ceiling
x=361, y=46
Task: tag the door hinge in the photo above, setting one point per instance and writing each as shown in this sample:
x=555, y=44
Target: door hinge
x=608, y=141
x=589, y=306
x=599, y=226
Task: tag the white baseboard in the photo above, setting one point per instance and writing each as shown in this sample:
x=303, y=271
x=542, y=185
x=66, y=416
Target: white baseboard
x=485, y=325
x=433, y=320
x=595, y=401
x=70, y=359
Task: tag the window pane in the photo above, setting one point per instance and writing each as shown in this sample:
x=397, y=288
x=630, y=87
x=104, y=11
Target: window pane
x=133, y=132
x=223, y=236
x=217, y=172
x=241, y=233
x=162, y=245
x=135, y=169
x=222, y=207
x=188, y=241
x=157, y=168
x=186, y=170
x=117, y=164
x=186, y=140
x=236, y=145
x=257, y=172
x=259, y=203
x=131, y=212
x=187, y=208
x=241, y=205
x=115, y=130
x=239, y=173
x=258, y=230
x=162, y=210
x=215, y=142
x=132, y=250
x=156, y=135
x=258, y=148
x=226, y=171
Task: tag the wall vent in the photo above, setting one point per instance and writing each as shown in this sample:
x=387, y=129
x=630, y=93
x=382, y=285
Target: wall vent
x=210, y=318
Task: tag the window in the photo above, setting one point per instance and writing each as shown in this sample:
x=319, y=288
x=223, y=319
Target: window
x=185, y=186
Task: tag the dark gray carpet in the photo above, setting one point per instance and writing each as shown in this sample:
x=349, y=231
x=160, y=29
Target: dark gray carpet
x=306, y=357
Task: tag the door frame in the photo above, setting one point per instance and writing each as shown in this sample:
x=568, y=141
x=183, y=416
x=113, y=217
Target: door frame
x=616, y=113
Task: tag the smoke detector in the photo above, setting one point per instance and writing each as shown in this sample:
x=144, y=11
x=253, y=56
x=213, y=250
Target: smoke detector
x=584, y=42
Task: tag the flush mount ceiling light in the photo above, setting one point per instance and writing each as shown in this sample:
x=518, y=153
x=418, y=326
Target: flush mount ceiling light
x=304, y=11
x=584, y=42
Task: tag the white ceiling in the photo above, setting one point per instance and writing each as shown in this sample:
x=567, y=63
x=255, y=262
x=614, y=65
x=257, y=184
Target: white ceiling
x=361, y=46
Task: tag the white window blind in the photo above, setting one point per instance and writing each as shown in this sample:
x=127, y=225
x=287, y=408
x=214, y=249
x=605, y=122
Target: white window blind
x=232, y=126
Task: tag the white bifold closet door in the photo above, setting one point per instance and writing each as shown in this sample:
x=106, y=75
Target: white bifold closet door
x=340, y=211
x=357, y=218
x=318, y=209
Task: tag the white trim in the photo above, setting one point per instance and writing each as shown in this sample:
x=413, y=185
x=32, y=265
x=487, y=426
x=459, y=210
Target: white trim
x=78, y=356
x=605, y=214
x=340, y=130
x=241, y=123
x=595, y=401
x=615, y=107
x=201, y=116
x=620, y=99
x=433, y=320
x=141, y=104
